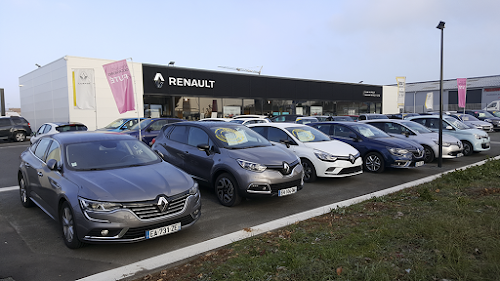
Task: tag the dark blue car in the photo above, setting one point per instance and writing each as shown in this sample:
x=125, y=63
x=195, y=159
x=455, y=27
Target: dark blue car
x=150, y=128
x=378, y=149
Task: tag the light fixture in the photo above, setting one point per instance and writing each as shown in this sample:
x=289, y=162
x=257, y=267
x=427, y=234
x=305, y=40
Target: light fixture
x=171, y=63
x=38, y=65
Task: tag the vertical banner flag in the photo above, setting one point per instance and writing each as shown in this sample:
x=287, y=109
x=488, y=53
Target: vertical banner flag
x=429, y=101
x=462, y=91
x=401, y=91
x=83, y=88
x=120, y=81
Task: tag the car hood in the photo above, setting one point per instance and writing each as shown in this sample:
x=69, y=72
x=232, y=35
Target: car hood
x=266, y=155
x=435, y=136
x=132, y=184
x=334, y=147
x=395, y=142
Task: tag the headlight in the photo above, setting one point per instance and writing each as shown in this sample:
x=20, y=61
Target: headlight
x=325, y=156
x=254, y=167
x=487, y=120
x=194, y=190
x=97, y=206
x=445, y=144
x=398, y=151
x=478, y=136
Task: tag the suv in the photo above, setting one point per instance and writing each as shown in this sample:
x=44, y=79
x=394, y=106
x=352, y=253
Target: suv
x=232, y=158
x=14, y=128
x=150, y=127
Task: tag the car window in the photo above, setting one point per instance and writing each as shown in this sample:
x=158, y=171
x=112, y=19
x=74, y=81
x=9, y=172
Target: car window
x=238, y=137
x=369, y=131
x=453, y=122
x=4, y=122
x=197, y=136
x=47, y=129
x=394, y=128
x=40, y=130
x=179, y=134
x=276, y=135
x=41, y=148
x=260, y=130
x=156, y=126
x=324, y=128
x=54, y=152
x=417, y=127
x=342, y=132
x=143, y=124
x=308, y=134
x=20, y=121
x=67, y=128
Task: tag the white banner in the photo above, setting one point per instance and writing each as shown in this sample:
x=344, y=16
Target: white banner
x=401, y=91
x=429, y=101
x=84, y=88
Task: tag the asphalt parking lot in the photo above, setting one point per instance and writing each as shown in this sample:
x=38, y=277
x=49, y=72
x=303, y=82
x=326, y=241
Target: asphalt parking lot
x=32, y=248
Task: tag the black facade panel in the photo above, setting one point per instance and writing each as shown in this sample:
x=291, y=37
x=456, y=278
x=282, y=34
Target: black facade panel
x=231, y=85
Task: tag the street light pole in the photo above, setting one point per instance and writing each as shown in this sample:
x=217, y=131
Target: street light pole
x=440, y=158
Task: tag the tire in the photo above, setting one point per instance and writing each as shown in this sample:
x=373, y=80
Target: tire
x=19, y=136
x=374, y=162
x=428, y=154
x=468, y=148
x=309, y=170
x=23, y=194
x=68, y=227
x=226, y=189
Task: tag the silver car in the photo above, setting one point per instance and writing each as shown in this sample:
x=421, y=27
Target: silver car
x=106, y=187
x=404, y=129
x=236, y=161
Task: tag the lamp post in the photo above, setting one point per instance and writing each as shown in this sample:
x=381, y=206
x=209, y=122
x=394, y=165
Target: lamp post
x=440, y=142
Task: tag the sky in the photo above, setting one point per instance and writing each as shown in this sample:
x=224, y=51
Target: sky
x=373, y=41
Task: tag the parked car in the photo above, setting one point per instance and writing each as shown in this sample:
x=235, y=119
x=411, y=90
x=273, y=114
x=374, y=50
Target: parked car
x=150, y=128
x=55, y=128
x=249, y=116
x=215, y=119
x=494, y=105
x=121, y=124
x=486, y=116
x=104, y=187
x=401, y=115
x=306, y=120
x=377, y=148
x=285, y=118
x=248, y=121
x=372, y=116
x=405, y=129
x=334, y=118
x=14, y=128
x=233, y=159
x=320, y=156
x=354, y=117
x=473, y=140
x=473, y=122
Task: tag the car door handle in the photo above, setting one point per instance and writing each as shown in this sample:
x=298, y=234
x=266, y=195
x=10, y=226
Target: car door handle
x=40, y=174
x=187, y=152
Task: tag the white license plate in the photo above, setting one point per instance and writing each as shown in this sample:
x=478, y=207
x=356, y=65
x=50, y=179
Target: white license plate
x=287, y=191
x=164, y=230
x=460, y=154
x=419, y=163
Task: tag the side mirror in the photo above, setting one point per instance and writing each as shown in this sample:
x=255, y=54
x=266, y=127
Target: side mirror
x=449, y=127
x=148, y=129
x=285, y=142
x=406, y=134
x=204, y=147
x=52, y=165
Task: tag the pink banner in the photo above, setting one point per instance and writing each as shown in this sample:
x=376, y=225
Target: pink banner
x=462, y=90
x=120, y=81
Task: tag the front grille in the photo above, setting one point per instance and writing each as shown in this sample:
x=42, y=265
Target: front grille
x=417, y=153
x=351, y=170
x=150, y=210
x=140, y=232
x=278, y=186
x=485, y=145
x=281, y=170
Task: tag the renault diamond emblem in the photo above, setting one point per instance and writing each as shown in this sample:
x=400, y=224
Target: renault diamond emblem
x=162, y=204
x=352, y=159
x=286, y=168
x=159, y=80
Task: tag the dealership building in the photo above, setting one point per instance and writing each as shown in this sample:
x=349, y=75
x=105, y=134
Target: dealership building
x=51, y=93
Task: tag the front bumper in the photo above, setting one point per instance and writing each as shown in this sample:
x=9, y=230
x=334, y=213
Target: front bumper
x=339, y=168
x=269, y=182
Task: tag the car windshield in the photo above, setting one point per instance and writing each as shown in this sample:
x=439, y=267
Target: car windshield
x=377, y=116
x=484, y=114
x=495, y=113
x=116, y=124
x=308, y=134
x=238, y=137
x=109, y=154
x=143, y=124
x=467, y=117
x=343, y=118
x=72, y=127
x=421, y=129
x=456, y=123
x=238, y=121
x=369, y=131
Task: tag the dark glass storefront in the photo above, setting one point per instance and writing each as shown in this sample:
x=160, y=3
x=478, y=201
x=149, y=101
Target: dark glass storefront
x=194, y=94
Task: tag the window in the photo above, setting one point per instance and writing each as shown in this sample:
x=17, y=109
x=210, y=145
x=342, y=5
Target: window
x=342, y=132
x=42, y=148
x=40, y=130
x=179, y=134
x=54, y=152
x=47, y=129
x=260, y=130
x=276, y=135
x=197, y=136
x=156, y=126
x=4, y=122
x=324, y=128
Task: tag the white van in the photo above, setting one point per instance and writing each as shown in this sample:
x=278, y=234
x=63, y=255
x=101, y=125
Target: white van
x=494, y=105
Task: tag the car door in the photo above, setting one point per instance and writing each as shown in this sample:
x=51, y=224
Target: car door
x=345, y=134
x=152, y=131
x=5, y=126
x=199, y=162
x=277, y=136
x=50, y=188
x=34, y=164
x=176, y=146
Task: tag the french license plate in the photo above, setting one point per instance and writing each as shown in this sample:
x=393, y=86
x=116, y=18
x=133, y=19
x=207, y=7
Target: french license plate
x=287, y=191
x=419, y=163
x=164, y=230
x=460, y=154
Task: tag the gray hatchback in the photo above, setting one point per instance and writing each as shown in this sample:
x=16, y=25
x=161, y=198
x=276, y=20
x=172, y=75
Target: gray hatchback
x=232, y=158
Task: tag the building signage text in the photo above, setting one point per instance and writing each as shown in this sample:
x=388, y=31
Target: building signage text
x=183, y=82
x=371, y=94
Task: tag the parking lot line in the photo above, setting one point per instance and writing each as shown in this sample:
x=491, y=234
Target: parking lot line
x=163, y=260
x=2, y=189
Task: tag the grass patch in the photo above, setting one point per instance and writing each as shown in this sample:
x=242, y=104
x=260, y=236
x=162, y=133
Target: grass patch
x=448, y=229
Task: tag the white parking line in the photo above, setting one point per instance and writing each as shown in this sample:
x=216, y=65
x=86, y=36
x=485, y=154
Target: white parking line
x=190, y=251
x=2, y=189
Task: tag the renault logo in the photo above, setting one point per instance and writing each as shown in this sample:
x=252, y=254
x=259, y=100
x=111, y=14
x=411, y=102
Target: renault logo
x=159, y=80
x=162, y=204
x=286, y=168
x=352, y=159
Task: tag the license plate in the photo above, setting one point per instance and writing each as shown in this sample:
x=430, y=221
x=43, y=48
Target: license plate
x=287, y=191
x=419, y=163
x=460, y=154
x=164, y=230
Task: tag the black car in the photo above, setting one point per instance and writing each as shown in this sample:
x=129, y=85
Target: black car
x=486, y=116
x=14, y=128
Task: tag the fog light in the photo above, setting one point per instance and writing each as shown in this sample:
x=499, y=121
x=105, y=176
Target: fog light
x=104, y=232
x=196, y=212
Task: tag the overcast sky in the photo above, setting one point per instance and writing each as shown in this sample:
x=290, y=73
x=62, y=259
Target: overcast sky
x=334, y=40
